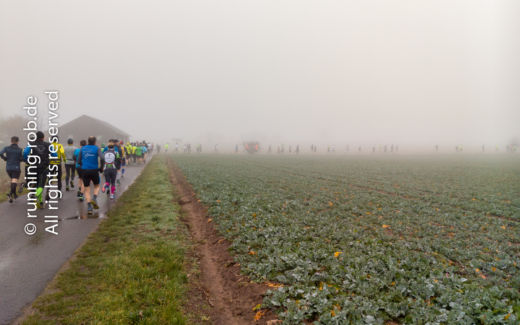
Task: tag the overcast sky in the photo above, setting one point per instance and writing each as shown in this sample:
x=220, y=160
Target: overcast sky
x=439, y=71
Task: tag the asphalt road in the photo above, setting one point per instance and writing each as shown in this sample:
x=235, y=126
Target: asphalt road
x=28, y=263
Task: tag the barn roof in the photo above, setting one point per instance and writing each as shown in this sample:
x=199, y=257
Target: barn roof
x=85, y=126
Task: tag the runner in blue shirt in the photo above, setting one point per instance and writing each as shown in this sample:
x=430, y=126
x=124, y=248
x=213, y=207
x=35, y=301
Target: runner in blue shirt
x=81, y=188
x=91, y=161
x=145, y=151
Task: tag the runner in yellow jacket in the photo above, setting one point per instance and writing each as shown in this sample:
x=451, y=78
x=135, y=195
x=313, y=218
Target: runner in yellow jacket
x=55, y=167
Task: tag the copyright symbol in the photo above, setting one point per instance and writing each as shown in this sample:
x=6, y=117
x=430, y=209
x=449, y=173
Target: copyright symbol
x=30, y=229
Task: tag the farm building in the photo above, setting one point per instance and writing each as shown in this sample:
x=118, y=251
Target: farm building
x=85, y=126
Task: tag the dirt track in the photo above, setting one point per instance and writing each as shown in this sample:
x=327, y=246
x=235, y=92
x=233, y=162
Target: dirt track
x=231, y=296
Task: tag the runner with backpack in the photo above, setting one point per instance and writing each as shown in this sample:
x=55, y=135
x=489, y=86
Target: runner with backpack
x=112, y=160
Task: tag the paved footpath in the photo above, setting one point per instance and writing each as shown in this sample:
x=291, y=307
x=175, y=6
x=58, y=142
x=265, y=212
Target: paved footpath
x=28, y=263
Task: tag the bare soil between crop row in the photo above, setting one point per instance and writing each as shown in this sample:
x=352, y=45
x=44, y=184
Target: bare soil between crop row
x=231, y=296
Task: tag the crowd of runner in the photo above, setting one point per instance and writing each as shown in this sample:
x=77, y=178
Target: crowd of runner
x=44, y=163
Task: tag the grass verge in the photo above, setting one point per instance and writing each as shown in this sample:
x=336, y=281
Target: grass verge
x=131, y=270
x=4, y=182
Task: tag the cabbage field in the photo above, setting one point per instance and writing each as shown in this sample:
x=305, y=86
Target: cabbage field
x=375, y=240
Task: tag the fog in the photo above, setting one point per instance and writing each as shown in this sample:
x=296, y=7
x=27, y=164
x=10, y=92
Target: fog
x=360, y=72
